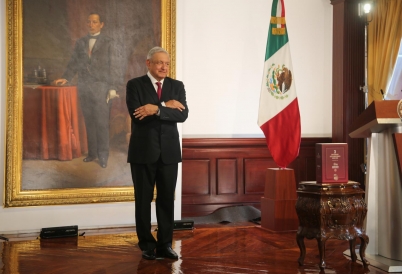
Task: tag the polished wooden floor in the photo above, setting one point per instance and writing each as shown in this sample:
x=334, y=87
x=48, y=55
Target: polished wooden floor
x=233, y=248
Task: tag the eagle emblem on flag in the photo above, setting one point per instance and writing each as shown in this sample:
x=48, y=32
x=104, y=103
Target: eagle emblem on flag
x=279, y=81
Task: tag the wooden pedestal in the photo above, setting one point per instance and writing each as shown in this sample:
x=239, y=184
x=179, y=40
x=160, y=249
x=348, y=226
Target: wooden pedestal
x=278, y=212
x=331, y=211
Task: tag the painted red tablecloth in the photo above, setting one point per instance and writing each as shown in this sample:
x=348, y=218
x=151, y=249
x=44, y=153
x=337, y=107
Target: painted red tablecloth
x=53, y=125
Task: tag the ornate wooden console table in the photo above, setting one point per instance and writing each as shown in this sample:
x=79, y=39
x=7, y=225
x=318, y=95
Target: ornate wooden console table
x=331, y=211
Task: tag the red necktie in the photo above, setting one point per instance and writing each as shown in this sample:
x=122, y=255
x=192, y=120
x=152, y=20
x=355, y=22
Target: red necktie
x=159, y=91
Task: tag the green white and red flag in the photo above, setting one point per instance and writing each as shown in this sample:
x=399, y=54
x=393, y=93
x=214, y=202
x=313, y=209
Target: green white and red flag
x=278, y=114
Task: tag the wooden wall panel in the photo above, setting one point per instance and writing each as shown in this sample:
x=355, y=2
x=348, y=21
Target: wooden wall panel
x=197, y=176
x=347, y=79
x=254, y=174
x=226, y=176
x=231, y=171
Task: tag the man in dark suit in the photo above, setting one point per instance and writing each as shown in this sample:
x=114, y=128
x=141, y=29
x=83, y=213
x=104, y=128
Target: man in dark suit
x=154, y=150
x=94, y=59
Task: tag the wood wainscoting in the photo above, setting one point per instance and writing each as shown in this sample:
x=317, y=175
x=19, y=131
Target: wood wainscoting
x=220, y=172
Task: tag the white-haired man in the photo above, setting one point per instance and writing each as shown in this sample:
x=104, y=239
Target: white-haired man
x=156, y=104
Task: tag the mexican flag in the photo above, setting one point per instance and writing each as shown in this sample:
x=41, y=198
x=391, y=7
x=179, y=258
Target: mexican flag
x=278, y=114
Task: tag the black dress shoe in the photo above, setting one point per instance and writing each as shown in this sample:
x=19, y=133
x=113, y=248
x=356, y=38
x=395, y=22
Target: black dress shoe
x=167, y=252
x=89, y=159
x=148, y=254
x=103, y=162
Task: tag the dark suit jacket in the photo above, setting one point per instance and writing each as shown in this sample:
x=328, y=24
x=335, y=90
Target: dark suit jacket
x=155, y=136
x=102, y=68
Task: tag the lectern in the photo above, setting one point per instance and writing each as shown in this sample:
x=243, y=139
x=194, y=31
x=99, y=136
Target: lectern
x=382, y=126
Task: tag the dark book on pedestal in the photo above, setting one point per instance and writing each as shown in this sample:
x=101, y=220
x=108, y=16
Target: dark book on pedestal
x=331, y=163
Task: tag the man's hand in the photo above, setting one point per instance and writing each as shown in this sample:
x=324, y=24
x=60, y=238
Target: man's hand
x=145, y=111
x=60, y=82
x=175, y=105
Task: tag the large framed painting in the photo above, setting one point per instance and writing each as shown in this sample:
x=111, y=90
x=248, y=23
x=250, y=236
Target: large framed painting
x=52, y=125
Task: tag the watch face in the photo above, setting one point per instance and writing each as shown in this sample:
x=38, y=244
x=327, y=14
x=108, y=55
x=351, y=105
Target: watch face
x=399, y=108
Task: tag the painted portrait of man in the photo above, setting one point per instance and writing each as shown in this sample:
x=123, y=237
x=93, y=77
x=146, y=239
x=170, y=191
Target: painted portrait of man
x=77, y=57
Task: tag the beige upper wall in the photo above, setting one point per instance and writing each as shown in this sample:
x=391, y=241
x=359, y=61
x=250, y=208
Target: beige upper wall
x=221, y=58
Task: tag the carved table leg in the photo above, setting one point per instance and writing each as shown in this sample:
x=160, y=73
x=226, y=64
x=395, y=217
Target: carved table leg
x=352, y=245
x=364, y=241
x=321, y=248
x=300, y=243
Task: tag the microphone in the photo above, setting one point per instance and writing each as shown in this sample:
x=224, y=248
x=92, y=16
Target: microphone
x=382, y=93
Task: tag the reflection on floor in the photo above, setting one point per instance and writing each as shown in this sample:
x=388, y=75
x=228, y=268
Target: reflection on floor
x=231, y=248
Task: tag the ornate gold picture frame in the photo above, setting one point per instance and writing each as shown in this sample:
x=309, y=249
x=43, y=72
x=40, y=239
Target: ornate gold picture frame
x=32, y=44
